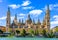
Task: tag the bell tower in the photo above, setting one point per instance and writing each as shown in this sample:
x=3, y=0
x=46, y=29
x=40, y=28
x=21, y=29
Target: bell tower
x=48, y=18
x=46, y=21
x=8, y=20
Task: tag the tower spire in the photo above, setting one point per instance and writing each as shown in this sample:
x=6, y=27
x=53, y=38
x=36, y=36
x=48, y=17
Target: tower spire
x=33, y=21
x=19, y=21
x=47, y=7
x=22, y=21
x=39, y=22
x=15, y=16
x=28, y=16
x=9, y=9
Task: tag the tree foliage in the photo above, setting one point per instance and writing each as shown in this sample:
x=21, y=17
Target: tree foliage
x=31, y=32
x=44, y=32
x=50, y=35
x=36, y=32
x=23, y=33
x=1, y=32
x=17, y=31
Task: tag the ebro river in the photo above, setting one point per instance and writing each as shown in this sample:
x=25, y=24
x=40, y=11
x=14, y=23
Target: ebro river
x=27, y=38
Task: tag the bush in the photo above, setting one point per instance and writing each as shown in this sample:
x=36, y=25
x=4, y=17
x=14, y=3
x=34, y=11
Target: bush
x=36, y=32
x=17, y=31
x=31, y=32
x=23, y=33
x=44, y=33
x=1, y=32
x=50, y=35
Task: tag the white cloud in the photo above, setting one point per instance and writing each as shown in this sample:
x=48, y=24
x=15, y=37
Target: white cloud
x=52, y=7
x=36, y=12
x=55, y=5
x=27, y=7
x=2, y=23
x=55, y=22
x=3, y=18
x=14, y=6
x=26, y=3
x=21, y=14
x=12, y=18
x=20, y=17
x=55, y=17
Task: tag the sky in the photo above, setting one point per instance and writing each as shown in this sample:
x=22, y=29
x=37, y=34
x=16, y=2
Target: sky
x=36, y=9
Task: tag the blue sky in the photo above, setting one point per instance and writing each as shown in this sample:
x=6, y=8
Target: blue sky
x=36, y=8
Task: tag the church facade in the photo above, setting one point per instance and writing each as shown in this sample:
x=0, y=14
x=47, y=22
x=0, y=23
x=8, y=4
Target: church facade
x=29, y=24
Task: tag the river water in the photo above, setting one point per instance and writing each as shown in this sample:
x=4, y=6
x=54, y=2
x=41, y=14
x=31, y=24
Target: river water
x=25, y=38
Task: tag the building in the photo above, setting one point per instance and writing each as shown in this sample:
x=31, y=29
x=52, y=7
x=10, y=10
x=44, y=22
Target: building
x=3, y=28
x=29, y=24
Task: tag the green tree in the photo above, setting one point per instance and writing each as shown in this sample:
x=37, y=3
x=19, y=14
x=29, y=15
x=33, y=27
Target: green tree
x=36, y=32
x=17, y=31
x=44, y=32
x=31, y=32
x=1, y=32
x=50, y=35
x=23, y=33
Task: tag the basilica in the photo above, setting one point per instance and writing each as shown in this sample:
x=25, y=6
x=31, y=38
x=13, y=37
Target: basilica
x=29, y=24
